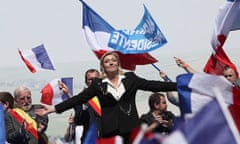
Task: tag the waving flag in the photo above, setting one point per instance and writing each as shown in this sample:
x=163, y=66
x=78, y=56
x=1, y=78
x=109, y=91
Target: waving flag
x=52, y=95
x=36, y=59
x=91, y=137
x=98, y=32
x=195, y=90
x=228, y=19
x=145, y=38
x=2, y=125
x=211, y=125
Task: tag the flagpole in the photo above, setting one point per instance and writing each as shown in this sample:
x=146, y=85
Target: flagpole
x=158, y=69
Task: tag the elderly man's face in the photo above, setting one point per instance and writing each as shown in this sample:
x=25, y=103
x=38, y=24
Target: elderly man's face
x=24, y=100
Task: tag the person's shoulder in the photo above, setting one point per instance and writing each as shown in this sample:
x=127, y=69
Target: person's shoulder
x=129, y=74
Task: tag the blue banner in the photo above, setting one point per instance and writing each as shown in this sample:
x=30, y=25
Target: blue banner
x=146, y=37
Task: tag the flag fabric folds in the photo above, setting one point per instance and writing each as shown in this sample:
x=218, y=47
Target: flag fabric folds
x=2, y=125
x=195, y=90
x=145, y=38
x=52, y=94
x=98, y=32
x=228, y=19
x=217, y=61
x=211, y=125
x=36, y=59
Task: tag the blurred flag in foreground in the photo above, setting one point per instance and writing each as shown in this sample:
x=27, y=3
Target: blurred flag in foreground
x=98, y=32
x=91, y=137
x=228, y=19
x=195, y=90
x=211, y=125
x=2, y=125
x=52, y=94
x=36, y=59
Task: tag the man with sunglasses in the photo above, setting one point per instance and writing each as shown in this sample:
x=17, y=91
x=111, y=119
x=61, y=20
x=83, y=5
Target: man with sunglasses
x=231, y=75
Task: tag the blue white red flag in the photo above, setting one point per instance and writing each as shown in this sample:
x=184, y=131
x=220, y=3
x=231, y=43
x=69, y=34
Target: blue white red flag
x=145, y=38
x=91, y=137
x=52, y=94
x=2, y=126
x=211, y=125
x=227, y=20
x=98, y=32
x=36, y=59
x=195, y=90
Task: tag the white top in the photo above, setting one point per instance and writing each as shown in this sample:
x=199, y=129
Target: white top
x=119, y=90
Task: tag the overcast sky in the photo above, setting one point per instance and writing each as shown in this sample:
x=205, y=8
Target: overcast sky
x=57, y=24
x=187, y=25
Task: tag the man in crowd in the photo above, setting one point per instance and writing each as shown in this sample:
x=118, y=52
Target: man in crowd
x=32, y=126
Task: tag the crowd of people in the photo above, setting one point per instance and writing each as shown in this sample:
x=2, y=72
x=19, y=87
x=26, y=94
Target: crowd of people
x=116, y=90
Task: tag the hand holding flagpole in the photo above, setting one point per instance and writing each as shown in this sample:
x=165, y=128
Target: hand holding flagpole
x=158, y=69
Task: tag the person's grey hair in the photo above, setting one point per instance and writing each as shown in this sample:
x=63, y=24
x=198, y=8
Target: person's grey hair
x=18, y=90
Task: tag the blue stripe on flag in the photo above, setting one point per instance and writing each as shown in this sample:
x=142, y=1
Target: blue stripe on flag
x=94, y=21
x=184, y=93
x=42, y=57
x=209, y=126
x=69, y=83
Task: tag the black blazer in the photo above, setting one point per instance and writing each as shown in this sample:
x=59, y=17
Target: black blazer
x=121, y=116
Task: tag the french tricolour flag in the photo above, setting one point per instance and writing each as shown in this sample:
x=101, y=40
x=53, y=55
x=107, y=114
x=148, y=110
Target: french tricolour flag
x=97, y=33
x=227, y=20
x=196, y=90
x=52, y=94
x=211, y=125
x=36, y=59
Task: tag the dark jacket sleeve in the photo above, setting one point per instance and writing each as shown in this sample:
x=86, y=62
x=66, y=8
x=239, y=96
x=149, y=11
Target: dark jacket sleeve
x=14, y=132
x=151, y=85
x=80, y=98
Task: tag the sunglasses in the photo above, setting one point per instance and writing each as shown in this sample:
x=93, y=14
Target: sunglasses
x=25, y=97
x=226, y=76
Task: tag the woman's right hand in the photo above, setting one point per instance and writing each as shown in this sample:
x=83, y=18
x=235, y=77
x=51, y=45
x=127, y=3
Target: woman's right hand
x=45, y=110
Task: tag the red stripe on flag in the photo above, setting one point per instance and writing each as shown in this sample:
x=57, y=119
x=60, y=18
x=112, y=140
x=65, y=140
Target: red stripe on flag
x=47, y=94
x=28, y=64
x=236, y=96
x=129, y=61
x=217, y=62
